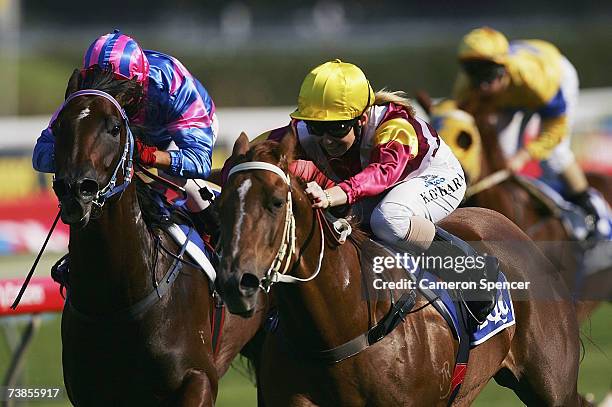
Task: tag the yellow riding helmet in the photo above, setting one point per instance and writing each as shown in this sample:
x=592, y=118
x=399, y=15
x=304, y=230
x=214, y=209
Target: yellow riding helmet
x=334, y=91
x=484, y=43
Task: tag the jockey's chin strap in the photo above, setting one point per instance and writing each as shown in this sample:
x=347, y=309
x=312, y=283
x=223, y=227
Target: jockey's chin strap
x=287, y=247
x=125, y=163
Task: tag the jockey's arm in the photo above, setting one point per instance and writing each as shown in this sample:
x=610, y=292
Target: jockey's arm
x=395, y=145
x=192, y=124
x=162, y=160
x=43, y=156
x=554, y=127
x=554, y=130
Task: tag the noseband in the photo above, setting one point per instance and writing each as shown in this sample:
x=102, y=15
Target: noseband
x=287, y=247
x=125, y=164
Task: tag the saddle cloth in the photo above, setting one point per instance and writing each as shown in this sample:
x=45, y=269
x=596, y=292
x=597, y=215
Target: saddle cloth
x=500, y=318
x=199, y=252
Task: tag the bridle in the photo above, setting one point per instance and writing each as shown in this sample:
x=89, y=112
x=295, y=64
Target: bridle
x=288, y=241
x=125, y=163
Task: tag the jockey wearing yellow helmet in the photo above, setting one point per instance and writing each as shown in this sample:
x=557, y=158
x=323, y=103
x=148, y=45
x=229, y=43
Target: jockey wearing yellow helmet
x=378, y=155
x=533, y=77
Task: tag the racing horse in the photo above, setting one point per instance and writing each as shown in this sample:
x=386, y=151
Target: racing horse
x=136, y=327
x=475, y=141
x=271, y=237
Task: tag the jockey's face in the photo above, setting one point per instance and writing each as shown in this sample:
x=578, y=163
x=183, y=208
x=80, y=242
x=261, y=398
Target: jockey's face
x=336, y=146
x=494, y=87
x=487, y=77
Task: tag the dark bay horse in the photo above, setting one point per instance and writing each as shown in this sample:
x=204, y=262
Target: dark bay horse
x=270, y=233
x=497, y=189
x=136, y=328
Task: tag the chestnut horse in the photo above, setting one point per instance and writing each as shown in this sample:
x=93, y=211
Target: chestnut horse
x=324, y=299
x=497, y=189
x=136, y=328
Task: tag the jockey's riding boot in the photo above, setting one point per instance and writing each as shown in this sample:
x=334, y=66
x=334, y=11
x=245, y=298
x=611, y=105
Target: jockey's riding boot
x=578, y=194
x=583, y=200
x=60, y=270
x=206, y=222
x=469, y=268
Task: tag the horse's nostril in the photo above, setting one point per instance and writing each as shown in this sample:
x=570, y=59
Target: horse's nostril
x=88, y=188
x=249, y=284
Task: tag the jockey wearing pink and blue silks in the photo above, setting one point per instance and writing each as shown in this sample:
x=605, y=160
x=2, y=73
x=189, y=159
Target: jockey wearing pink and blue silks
x=179, y=114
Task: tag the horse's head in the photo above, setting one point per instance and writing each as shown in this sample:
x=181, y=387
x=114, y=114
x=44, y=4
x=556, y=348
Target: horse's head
x=93, y=150
x=257, y=225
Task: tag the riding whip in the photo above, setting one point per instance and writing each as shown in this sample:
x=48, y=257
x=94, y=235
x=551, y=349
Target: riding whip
x=42, y=249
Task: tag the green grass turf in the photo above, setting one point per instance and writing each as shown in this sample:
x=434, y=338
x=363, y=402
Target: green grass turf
x=43, y=365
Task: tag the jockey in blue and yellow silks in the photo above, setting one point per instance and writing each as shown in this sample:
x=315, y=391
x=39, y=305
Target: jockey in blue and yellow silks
x=371, y=151
x=177, y=112
x=531, y=76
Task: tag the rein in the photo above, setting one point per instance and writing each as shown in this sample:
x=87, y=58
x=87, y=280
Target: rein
x=488, y=182
x=287, y=247
x=376, y=333
x=125, y=163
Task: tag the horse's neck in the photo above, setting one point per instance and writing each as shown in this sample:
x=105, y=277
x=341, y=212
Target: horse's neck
x=330, y=309
x=110, y=259
x=492, y=158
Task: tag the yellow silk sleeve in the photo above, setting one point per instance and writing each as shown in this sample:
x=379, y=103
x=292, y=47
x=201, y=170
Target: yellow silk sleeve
x=554, y=130
x=398, y=130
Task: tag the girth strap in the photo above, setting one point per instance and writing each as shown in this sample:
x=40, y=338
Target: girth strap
x=384, y=327
x=136, y=310
x=217, y=320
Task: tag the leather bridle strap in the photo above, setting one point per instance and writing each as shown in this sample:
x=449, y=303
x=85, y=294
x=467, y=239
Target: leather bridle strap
x=287, y=248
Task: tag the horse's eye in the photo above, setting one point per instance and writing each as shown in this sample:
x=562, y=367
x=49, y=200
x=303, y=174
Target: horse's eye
x=276, y=203
x=115, y=130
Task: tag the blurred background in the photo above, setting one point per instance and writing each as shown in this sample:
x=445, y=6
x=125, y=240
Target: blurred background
x=252, y=57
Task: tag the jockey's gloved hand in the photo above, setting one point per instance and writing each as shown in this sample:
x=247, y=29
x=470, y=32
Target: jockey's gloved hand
x=146, y=153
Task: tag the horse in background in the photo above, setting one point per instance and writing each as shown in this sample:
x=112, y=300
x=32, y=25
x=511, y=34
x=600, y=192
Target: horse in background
x=136, y=327
x=323, y=289
x=475, y=142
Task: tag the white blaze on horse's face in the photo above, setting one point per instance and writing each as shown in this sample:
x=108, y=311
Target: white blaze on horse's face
x=84, y=113
x=242, y=191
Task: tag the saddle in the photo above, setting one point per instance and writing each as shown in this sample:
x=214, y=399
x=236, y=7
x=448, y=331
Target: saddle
x=454, y=312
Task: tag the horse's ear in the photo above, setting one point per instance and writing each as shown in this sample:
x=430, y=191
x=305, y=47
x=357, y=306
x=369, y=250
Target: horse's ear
x=287, y=147
x=73, y=83
x=241, y=145
x=424, y=101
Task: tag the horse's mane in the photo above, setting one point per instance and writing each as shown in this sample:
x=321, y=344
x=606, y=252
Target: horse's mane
x=398, y=97
x=130, y=94
x=270, y=151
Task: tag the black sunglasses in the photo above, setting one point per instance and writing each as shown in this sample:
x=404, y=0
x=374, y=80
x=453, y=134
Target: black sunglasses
x=337, y=129
x=483, y=71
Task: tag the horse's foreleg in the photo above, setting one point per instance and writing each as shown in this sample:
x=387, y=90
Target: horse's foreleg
x=197, y=390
